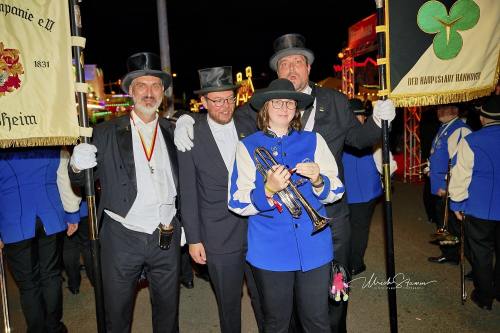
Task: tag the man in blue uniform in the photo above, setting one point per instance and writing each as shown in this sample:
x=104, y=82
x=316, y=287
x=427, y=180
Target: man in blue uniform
x=37, y=204
x=444, y=148
x=475, y=191
x=362, y=170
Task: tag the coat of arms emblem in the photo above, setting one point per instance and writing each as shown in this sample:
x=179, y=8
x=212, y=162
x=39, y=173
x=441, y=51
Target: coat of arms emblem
x=10, y=70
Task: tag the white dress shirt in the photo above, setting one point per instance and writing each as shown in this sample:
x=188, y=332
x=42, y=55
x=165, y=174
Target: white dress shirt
x=155, y=200
x=310, y=121
x=226, y=138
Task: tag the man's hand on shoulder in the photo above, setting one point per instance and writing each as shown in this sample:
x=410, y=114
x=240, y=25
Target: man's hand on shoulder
x=184, y=133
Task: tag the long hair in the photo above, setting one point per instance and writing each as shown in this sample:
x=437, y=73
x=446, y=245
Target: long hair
x=263, y=118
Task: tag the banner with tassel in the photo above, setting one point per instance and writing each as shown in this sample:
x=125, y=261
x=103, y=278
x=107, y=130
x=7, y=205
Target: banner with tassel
x=441, y=52
x=37, y=93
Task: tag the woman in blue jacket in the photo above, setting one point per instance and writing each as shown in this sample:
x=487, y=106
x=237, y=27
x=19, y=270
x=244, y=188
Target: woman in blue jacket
x=289, y=262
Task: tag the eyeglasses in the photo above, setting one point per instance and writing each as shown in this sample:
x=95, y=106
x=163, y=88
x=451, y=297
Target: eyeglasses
x=220, y=101
x=278, y=104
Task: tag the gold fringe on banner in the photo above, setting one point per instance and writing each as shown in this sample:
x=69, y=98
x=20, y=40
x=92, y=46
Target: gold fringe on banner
x=439, y=98
x=33, y=142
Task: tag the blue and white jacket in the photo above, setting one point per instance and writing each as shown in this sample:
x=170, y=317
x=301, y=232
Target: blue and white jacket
x=444, y=148
x=277, y=241
x=34, y=182
x=362, y=170
x=475, y=179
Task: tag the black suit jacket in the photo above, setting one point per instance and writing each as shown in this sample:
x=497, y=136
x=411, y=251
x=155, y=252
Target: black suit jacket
x=203, y=182
x=115, y=164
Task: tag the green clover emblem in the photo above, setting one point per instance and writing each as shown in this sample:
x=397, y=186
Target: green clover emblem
x=433, y=18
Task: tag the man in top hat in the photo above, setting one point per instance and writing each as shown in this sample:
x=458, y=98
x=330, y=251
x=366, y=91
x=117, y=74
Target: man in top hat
x=136, y=164
x=216, y=236
x=329, y=115
x=443, y=152
x=475, y=191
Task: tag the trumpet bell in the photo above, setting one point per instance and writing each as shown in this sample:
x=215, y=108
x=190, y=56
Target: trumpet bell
x=320, y=224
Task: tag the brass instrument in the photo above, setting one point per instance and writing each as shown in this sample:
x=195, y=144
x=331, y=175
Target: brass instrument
x=462, y=262
x=290, y=196
x=5, y=305
x=442, y=234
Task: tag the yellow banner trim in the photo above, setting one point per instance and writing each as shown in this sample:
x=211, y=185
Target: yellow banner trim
x=34, y=142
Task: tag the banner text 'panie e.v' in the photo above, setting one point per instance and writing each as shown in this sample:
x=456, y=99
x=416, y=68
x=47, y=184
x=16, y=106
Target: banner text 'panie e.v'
x=37, y=96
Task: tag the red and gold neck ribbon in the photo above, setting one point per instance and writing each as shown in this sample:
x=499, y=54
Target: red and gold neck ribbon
x=147, y=151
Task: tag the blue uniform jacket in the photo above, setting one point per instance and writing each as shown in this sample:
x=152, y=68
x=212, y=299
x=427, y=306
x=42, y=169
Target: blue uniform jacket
x=277, y=241
x=361, y=177
x=28, y=188
x=475, y=181
x=440, y=152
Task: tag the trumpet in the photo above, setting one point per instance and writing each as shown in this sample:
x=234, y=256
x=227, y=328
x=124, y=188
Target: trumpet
x=442, y=234
x=291, y=197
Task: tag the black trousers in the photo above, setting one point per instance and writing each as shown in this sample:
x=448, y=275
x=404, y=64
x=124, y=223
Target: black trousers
x=74, y=246
x=186, y=274
x=226, y=277
x=35, y=265
x=279, y=290
x=361, y=217
x=483, y=238
x=429, y=202
x=341, y=234
x=451, y=252
x=341, y=229
x=124, y=253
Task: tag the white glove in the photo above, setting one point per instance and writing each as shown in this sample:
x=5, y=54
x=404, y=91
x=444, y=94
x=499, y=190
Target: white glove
x=183, y=133
x=83, y=157
x=384, y=110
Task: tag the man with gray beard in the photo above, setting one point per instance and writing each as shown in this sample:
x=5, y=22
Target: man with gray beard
x=135, y=160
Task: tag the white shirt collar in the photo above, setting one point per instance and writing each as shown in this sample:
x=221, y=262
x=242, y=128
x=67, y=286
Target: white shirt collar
x=139, y=123
x=307, y=90
x=216, y=127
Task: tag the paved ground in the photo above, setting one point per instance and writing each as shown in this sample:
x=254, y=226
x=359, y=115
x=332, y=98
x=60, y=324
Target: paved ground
x=434, y=307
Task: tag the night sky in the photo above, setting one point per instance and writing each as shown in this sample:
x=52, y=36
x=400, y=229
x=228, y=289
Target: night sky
x=216, y=33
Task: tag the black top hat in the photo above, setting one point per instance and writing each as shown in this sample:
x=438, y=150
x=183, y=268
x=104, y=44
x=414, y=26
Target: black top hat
x=280, y=89
x=142, y=64
x=490, y=108
x=289, y=44
x=216, y=79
